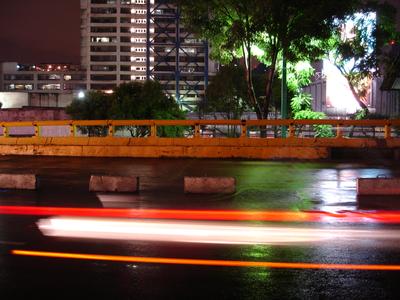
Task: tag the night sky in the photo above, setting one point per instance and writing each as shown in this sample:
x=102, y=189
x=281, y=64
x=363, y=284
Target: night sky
x=34, y=31
x=40, y=31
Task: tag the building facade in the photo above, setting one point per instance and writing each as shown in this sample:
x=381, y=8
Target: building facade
x=128, y=40
x=45, y=85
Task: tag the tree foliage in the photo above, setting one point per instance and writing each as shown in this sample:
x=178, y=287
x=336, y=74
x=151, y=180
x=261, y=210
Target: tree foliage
x=227, y=93
x=136, y=100
x=301, y=110
x=133, y=100
x=289, y=28
x=355, y=47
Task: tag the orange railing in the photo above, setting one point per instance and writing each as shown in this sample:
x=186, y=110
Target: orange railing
x=384, y=129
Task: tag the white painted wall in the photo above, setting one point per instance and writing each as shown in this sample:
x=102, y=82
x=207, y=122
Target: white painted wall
x=14, y=99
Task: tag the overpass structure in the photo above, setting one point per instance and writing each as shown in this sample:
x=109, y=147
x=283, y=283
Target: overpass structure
x=249, y=139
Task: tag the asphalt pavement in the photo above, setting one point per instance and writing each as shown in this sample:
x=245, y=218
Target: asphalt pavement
x=315, y=265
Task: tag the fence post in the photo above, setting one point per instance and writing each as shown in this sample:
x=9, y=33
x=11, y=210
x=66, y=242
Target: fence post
x=5, y=130
x=72, y=129
x=291, y=130
x=37, y=130
x=110, y=130
x=153, y=130
x=197, y=130
x=388, y=131
x=339, y=132
x=244, y=129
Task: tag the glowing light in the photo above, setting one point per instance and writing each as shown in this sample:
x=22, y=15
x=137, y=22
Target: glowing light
x=81, y=95
x=109, y=91
x=255, y=50
x=302, y=66
x=222, y=215
x=206, y=262
x=199, y=232
x=338, y=92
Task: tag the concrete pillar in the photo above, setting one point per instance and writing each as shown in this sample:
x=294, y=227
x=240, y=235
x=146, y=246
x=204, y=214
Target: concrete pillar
x=378, y=186
x=209, y=185
x=124, y=184
x=18, y=181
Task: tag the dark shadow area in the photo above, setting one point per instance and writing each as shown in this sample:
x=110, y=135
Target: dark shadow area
x=367, y=154
x=378, y=202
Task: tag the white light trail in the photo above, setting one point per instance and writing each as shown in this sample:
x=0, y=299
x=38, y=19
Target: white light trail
x=200, y=232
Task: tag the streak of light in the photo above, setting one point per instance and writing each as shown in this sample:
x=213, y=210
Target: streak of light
x=200, y=232
x=226, y=215
x=206, y=262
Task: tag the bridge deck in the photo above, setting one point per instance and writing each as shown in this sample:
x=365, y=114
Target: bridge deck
x=196, y=138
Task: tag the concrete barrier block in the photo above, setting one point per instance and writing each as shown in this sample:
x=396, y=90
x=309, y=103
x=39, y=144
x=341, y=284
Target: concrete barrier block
x=125, y=184
x=378, y=186
x=18, y=181
x=209, y=185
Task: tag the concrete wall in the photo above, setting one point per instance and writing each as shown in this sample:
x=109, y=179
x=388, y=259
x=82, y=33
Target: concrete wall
x=121, y=147
x=210, y=185
x=32, y=114
x=65, y=99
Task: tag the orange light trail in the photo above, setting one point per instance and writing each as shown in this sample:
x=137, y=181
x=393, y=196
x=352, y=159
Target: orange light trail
x=212, y=215
x=206, y=262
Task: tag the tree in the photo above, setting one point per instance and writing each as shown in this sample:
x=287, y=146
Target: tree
x=227, y=93
x=280, y=28
x=355, y=47
x=146, y=101
x=95, y=106
x=232, y=30
x=133, y=100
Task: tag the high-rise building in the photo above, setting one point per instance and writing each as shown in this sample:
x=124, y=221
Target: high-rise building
x=125, y=40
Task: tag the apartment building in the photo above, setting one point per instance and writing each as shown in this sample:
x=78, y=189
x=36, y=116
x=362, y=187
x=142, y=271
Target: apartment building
x=128, y=40
x=46, y=85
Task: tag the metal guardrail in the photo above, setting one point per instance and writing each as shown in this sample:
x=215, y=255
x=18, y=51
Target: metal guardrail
x=386, y=129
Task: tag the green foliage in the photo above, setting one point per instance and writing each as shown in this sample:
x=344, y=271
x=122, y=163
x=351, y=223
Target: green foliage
x=301, y=102
x=364, y=114
x=360, y=114
x=309, y=115
x=299, y=75
x=320, y=130
x=96, y=106
x=133, y=100
x=302, y=110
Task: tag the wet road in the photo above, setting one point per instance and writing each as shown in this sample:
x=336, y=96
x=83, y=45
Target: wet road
x=289, y=186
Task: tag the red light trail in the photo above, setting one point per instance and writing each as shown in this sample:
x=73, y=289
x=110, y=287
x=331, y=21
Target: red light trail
x=392, y=217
